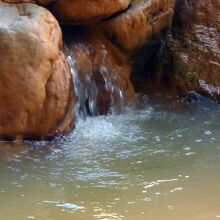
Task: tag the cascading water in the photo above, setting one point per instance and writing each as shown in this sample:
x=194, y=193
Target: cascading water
x=83, y=94
x=96, y=86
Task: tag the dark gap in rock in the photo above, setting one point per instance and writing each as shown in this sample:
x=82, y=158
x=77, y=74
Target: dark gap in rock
x=72, y=32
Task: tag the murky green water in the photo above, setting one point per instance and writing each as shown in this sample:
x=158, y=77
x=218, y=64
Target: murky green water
x=160, y=162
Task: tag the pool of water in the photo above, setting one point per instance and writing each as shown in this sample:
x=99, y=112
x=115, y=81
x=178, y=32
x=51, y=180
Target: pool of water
x=160, y=161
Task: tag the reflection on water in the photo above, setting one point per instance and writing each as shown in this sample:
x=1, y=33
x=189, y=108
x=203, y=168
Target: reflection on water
x=160, y=162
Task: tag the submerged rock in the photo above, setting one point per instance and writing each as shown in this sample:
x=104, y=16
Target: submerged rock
x=102, y=72
x=35, y=82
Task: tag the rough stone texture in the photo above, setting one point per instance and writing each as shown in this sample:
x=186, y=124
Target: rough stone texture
x=35, y=82
x=193, y=49
x=103, y=71
x=189, y=57
x=86, y=11
x=142, y=23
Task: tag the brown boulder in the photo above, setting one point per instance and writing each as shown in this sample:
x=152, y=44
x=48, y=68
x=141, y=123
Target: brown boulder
x=142, y=23
x=35, y=82
x=102, y=71
x=86, y=11
x=189, y=57
x=193, y=48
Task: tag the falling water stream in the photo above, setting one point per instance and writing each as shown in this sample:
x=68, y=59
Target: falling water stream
x=94, y=79
x=158, y=161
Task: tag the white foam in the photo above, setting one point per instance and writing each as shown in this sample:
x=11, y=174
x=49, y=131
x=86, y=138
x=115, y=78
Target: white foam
x=98, y=128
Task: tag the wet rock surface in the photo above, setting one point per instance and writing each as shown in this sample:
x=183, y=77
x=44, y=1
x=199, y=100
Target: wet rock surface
x=35, y=82
x=189, y=58
x=196, y=46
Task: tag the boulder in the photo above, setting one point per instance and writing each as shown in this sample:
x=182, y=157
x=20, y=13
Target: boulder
x=192, y=50
x=102, y=72
x=86, y=11
x=35, y=82
x=142, y=23
x=189, y=56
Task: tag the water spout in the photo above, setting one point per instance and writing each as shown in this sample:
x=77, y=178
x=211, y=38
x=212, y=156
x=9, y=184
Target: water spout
x=100, y=83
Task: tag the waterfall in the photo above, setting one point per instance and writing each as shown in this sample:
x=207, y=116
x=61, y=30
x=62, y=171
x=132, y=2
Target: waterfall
x=95, y=80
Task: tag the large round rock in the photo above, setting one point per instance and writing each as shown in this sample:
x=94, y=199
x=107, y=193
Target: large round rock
x=143, y=23
x=86, y=11
x=35, y=82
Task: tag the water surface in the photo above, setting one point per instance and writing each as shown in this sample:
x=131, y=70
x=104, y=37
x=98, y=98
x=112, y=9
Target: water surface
x=160, y=161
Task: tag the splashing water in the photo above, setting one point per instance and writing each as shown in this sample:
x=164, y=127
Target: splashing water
x=96, y=89
x=163, y=156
